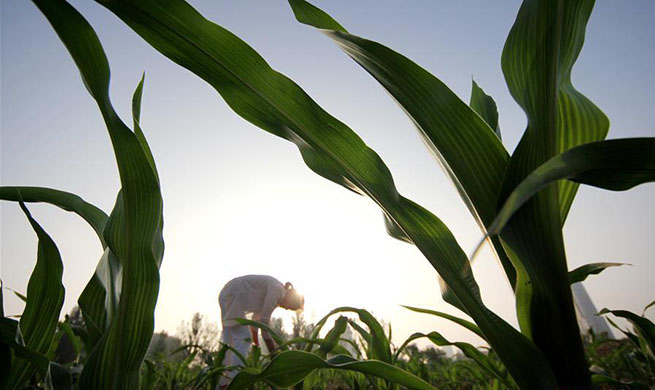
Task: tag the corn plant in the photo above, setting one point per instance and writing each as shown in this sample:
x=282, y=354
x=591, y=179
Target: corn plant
x=641, y=363
x=533, y=188
x=119, y=301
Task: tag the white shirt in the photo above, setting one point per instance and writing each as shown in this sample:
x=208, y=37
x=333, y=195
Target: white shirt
x=256, y=294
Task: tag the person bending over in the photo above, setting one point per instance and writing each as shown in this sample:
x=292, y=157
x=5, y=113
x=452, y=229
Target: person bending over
x=256, y=294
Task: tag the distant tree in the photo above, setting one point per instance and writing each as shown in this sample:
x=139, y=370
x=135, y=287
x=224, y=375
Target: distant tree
x=199, y=332
x=162, y=346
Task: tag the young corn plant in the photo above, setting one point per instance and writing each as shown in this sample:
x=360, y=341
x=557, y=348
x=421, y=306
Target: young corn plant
x=289, y=367
x=641, y=363
x=119, y=301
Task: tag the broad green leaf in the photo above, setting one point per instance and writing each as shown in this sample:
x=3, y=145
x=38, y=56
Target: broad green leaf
x=485, y=106
x=617, y=164
x=290, y=367
x=466, y=147
x=276, y=104
x=133, y=231
x=45, y=297
x=336, y=348
x=580, y=274
x=642, y=326
x=483, y=361
x=537, y=59
x=332, y=337
x=95, y=217
x=460, y=321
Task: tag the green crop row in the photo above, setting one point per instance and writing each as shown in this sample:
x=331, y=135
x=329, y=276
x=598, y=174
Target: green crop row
x=520, y=200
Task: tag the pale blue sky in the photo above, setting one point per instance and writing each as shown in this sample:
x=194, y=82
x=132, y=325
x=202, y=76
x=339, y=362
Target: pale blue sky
x=239, y=200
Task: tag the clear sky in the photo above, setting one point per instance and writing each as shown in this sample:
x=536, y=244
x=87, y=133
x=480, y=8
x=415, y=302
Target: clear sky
x=238, y=200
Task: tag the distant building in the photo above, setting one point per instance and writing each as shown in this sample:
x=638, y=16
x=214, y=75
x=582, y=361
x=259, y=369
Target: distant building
x=587, y=313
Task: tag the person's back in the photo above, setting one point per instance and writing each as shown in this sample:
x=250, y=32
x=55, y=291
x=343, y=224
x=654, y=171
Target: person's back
x=256, y=294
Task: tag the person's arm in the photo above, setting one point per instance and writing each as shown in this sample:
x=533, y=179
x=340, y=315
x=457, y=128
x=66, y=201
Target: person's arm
x=270, y=344
x=253, y=335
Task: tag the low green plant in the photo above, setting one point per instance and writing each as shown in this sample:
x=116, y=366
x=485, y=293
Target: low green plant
x=635, y=354
x=119, y=301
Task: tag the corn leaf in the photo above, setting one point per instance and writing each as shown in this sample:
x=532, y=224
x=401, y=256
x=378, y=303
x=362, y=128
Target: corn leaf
x=460, y=321
x=537, y=59
x=276, y=104
x=95, y=217
x=466, y=147
x=133, y=231
x=290, y=367
x=618, y=164
x=45, y=297
x=642, y=327
x=332, y=337
x=485, y=106
x=279, y=340
x=647, y=307
x=20, y=296
x=580, y=274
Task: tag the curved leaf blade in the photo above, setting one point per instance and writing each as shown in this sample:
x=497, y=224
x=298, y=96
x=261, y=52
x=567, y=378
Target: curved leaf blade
x=581, y=273
x=332, y=337
x=45, y=297
x=290, y=367
x=618, y=164
x=643, y=327
x=485, y=106
x=469, y=151
x=460, y=321
x=647, y=307
x=95, y=217
x=260, y=325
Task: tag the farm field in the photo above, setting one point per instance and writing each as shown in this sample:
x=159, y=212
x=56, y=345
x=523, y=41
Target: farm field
x=446, y=232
